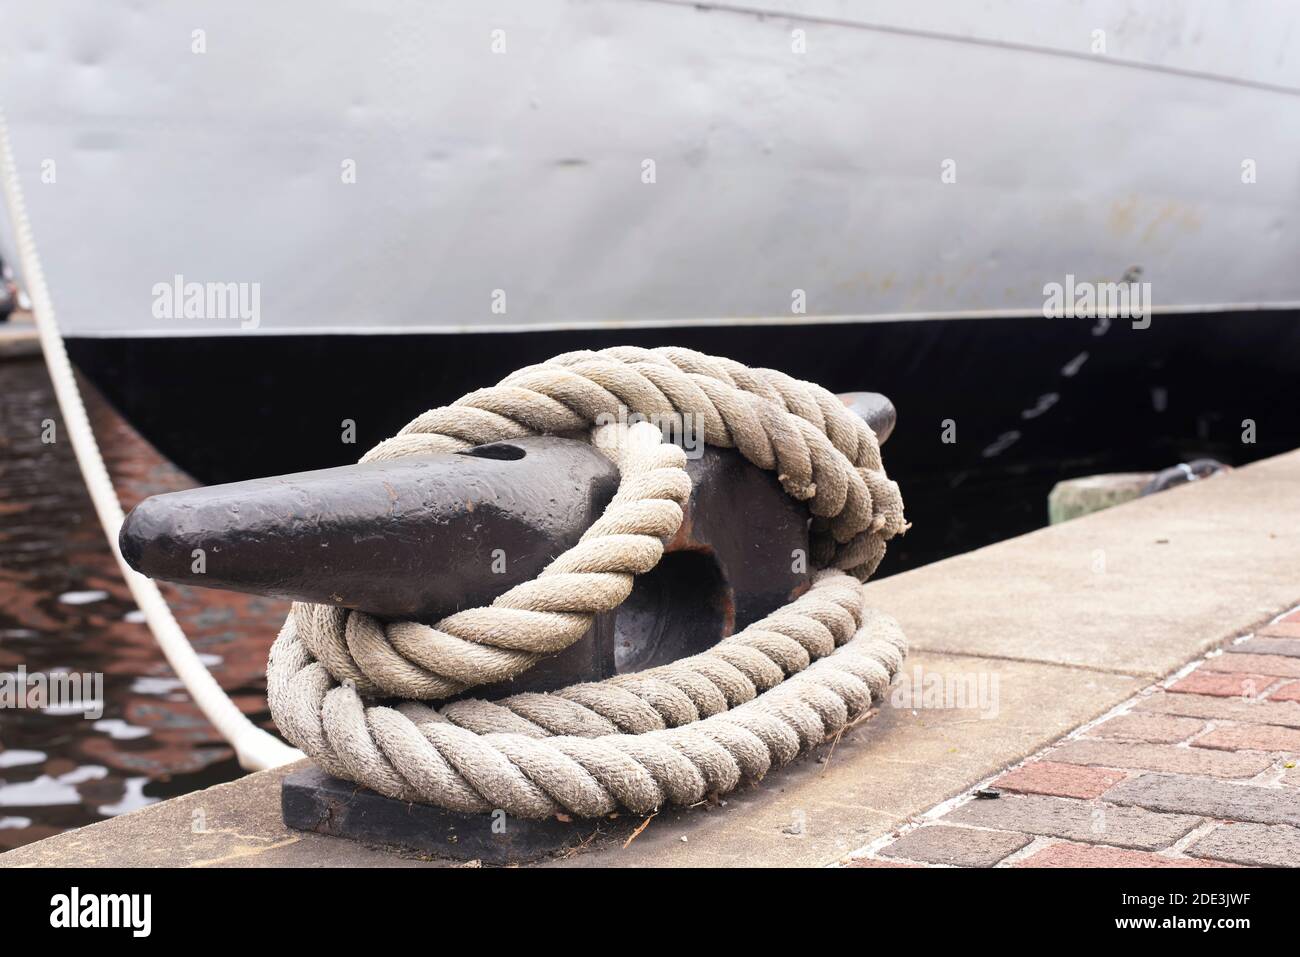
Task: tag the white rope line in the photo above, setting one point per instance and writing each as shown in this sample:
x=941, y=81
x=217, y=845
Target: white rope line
x=254, y=748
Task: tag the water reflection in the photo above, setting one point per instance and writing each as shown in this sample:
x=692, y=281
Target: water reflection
x=64, y=608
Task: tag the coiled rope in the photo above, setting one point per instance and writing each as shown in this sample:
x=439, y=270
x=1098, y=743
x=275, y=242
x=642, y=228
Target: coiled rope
x=672, y=734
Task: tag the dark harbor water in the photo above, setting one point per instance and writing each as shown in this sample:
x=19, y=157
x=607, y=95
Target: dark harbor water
x=64, y=609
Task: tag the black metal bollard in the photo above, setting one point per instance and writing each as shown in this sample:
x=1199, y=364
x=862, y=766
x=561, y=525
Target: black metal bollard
x=422, y=537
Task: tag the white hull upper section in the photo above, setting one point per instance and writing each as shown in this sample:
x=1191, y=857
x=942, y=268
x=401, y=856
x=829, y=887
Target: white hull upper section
x=916, y=160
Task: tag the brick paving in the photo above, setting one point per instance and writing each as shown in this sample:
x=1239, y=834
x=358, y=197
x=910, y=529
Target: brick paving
x=1245, y=710
x=1153, y=728
x=1059, y=780
x=1268, y=845
x=1198, y=772
x=964, y=847
x=1270, y=665
x=1065, y=854
x=1263, y=644
x=1289, y=692
x=1222, y=685
x=1281, y=629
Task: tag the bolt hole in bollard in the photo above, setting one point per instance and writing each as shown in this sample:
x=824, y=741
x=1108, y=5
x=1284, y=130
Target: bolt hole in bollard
x=419, y=538
x=498, y=451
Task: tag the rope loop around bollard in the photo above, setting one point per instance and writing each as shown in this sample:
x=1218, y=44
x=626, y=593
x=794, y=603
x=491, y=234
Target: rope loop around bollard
x=672, y=734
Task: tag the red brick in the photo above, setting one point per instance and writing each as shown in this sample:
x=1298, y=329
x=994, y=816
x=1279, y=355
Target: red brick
x=1091, y=855
x=1247, y=710
x=1250, y=737
x=1059, y=780
x=1167, y=758
x=872, y=862
x=1288, y=692
x=1288, y=627
x=1158, y=728
x=1223, y=685
x=1279, y=665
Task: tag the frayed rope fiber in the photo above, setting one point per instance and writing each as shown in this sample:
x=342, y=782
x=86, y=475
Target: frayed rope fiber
x=668, y=735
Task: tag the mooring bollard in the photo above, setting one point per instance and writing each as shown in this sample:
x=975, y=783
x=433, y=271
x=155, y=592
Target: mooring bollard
x=421, y=537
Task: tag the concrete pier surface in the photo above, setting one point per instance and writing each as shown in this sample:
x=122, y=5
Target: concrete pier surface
x=1014, y=646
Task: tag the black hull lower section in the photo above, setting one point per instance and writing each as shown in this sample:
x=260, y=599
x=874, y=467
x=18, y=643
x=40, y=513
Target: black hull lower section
x=992, y=412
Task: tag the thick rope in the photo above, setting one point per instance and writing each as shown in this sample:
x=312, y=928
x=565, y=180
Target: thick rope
x=672, y=734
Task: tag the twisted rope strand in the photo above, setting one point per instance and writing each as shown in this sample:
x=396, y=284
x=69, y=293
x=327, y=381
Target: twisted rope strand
x=671, y=734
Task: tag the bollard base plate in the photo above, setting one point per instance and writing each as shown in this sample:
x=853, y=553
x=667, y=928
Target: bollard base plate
x=311, y=800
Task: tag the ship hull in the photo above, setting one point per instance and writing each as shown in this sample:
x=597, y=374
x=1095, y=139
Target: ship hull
x=538, y=165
